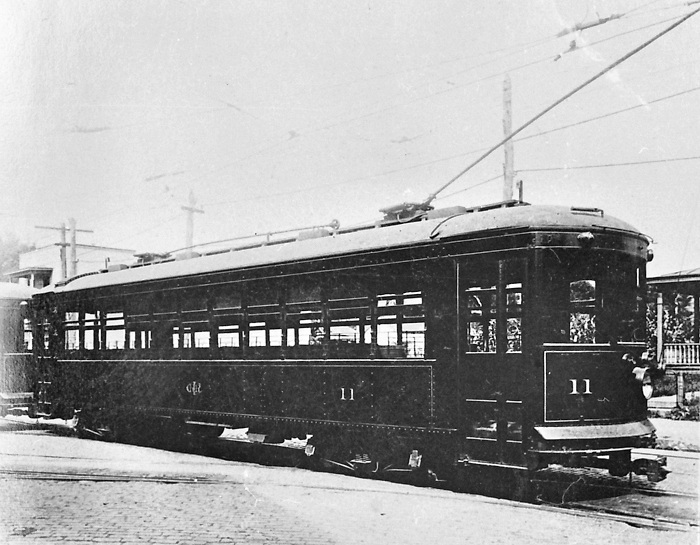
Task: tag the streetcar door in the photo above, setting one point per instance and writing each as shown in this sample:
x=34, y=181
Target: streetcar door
x=490, y=325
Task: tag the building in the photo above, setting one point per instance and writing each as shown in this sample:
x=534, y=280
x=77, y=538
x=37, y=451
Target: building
x=50, y=264
x=683, y=357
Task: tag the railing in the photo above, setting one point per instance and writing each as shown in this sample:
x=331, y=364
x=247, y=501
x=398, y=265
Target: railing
x=682, y=356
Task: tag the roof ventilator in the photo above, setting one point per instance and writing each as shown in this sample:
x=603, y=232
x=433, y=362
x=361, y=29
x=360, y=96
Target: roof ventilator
x=585, y=210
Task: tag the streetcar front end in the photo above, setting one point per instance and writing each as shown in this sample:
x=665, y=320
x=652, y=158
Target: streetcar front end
x=590, y=408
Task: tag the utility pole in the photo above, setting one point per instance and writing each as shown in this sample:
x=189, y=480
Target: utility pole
x=508, y=173
x=74, y=246
x=62, y=245
x=191, y=209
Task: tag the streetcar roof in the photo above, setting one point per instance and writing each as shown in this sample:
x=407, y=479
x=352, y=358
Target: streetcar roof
x=15, y=292
x=401, y=235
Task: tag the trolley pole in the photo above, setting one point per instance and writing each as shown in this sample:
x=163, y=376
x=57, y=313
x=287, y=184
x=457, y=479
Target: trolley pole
x=191, y=209
x=508, y=172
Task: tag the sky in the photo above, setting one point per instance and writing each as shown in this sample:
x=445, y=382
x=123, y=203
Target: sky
x=281, y=115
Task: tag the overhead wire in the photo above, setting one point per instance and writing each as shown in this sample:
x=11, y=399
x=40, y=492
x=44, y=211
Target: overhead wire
x=483, y=182
x=448, y=158
x=286, y=141
x=435, y=161
x=606, y=165
x=500, y=73
x=568, y=95
x=147, y=230
x=609, y=114
x=310, y=132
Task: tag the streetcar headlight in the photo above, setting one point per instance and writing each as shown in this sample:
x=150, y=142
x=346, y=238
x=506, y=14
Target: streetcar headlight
x=643, y=376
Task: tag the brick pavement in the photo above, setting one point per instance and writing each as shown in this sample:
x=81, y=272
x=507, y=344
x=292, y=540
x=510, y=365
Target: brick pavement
x=212, y=501
x=67, y=512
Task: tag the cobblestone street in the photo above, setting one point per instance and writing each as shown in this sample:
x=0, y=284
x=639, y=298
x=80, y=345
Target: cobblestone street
x=79, y=491
x=145, y=512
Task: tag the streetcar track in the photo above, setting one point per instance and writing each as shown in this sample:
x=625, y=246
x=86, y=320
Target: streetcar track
x=92, y=477
x=634, y=519
x=573, y=508
x=626, y=489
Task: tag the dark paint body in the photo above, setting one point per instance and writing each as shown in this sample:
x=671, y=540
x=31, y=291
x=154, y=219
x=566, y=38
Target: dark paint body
x=502, y=408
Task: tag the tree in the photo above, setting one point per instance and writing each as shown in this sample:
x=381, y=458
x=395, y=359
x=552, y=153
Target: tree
x=677, y=319
x=10, y=248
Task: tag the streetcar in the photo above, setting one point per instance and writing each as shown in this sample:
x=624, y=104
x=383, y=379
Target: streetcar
x=437, y=343
x=16, y=366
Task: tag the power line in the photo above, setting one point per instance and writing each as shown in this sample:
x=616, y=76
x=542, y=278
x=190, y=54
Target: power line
x=630, y=163
x=548, y=169
x=483, y=182
x=160, y=224
x=312, y=131
x=425, y=163
x=261, y=149
x=636, y=50
x=451, y=157
x=498, y=74
x=609, y=114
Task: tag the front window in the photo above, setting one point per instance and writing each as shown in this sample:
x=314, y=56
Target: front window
x=582, y=308
x=591, y=298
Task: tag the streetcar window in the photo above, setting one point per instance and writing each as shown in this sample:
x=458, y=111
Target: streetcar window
x=194, y=315
x=514, y=326
x=70, y=331
x=633, y=309
x=138, y=310
x=414, y=339
x=191, y=337
x=582, y=298
x=401, y=325
x=305, y=318
x=257, y=334
x=228, y=335
x=188, y=337
x=264, y=317
x=201, y=339
x=310, y=332
x=139, y=339
x=196, y=339
x=45, y=332
x=228, y=317
x=265, y=333
x=350, y=330
x=591, y=298
x=28, y=335
x=481, y=336
x=90, y=322
x=115, y=334
x=480, y=301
